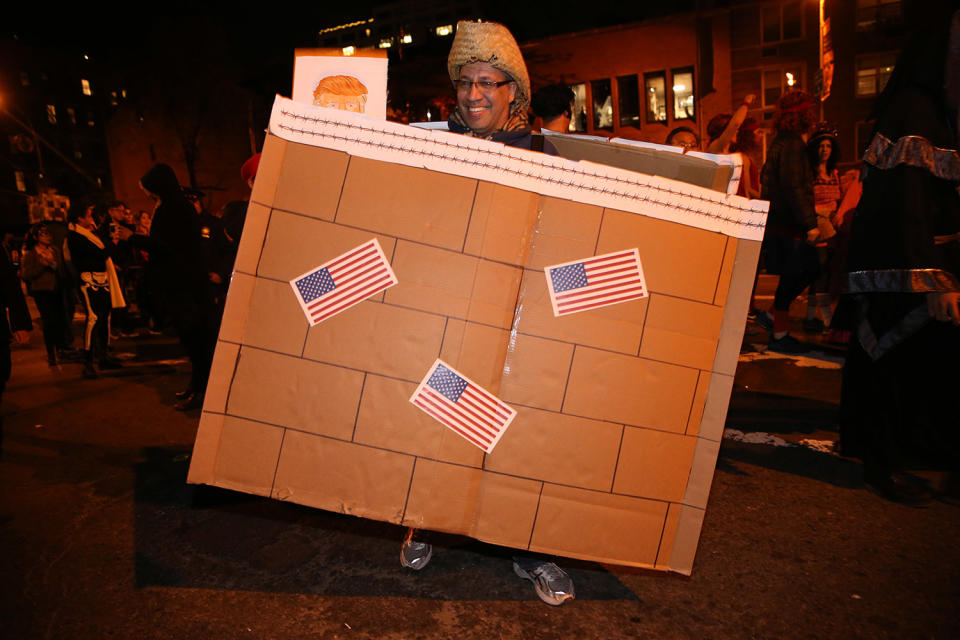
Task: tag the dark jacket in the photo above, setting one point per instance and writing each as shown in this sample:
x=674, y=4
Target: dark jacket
x=787, y=182
x=174, y=244
x=12, y=301
x=85, y=255
x=40, y=276
x=521, y=138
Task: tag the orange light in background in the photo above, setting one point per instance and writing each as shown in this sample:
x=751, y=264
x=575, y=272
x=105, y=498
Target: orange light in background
x=348, y=51
x=790, y=79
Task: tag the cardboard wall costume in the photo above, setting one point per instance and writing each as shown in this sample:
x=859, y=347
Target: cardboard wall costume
x=618, y=409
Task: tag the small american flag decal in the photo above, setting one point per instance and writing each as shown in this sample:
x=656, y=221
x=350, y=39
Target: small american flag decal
x=595, y=282
x=462, y=406
x=346, y=280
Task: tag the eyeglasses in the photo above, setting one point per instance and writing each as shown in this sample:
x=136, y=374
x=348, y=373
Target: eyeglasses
x=485, y=86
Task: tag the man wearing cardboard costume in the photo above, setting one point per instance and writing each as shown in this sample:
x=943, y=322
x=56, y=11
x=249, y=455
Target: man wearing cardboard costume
x=493, y=93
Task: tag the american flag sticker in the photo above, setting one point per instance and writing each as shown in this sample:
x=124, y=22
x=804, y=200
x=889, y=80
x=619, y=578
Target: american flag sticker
x=595, y=282
x=343, y=282
x=463, y=406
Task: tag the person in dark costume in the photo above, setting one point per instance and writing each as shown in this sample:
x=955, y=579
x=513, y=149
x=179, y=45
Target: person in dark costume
x=787, y=182
x=15, y=323
x=176, y=256
x=900, y=399
x=99, y=288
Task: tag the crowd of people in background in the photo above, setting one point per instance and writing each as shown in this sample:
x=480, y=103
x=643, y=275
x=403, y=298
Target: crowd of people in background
x=130, y=274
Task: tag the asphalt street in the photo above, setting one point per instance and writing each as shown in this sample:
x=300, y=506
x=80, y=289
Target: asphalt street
x=103, y=538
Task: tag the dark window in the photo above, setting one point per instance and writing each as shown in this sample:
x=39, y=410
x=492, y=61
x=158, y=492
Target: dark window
x=870, y=13
x=782, y=22
x=655, y=96
x=628, y=100
x=602, y=104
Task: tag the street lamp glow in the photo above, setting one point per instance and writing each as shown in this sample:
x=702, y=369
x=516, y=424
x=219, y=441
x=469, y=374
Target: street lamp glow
x=790, y=79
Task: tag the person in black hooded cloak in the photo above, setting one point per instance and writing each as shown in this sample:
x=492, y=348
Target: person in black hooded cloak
x=176, y=257
x=900, y=399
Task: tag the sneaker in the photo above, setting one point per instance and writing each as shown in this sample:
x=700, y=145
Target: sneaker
x=813, y=325
x=764, y=319
x=787, y=344
x=415, y=555
x=551, y=583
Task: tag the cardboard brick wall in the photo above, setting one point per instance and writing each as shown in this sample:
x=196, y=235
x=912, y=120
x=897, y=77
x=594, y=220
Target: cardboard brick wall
x=620, y=410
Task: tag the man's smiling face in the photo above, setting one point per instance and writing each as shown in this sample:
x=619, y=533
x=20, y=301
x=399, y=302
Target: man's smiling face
x=484, y=110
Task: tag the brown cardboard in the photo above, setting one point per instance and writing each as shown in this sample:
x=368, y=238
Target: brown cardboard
x=491, y=506
x=306, y=191
x=677, y=260
x=251, y=241
x=501, y=222
x=257, y=443
x=619, y=410
x=565, y=231
x=638, y=392
x=585, y=449
x=617, y=327
x=675, y=166
x=334, y=475
x=405, y=202
x=681, y=331
x=453, y=284
x=536, y=372
x=224, y=359
x=654, y=464
x=268, y=171
x=293, y=244
x=387, y=420
x=699, y=401
x=616, y=526
x=391, y=341
x=304, y=395
x=477, y=350
x=275, y=321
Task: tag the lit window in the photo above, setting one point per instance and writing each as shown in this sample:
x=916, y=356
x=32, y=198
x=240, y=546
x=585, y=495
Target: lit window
x=123, y=93
x=628, y=100
x=113, y=98
x=407, y=39
x=77, y=155
x=51, y=114
x=870, y=13
x=348, y=51
x=385, y=43
x=655, y=96
x=91, y=123
x=444, y=30
x=602, y=104
x=366, y=32
x=85, y=85
x=21, y=183
x=873, y=71
x=579, y=120
x=778, y=80
x=683, y=107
